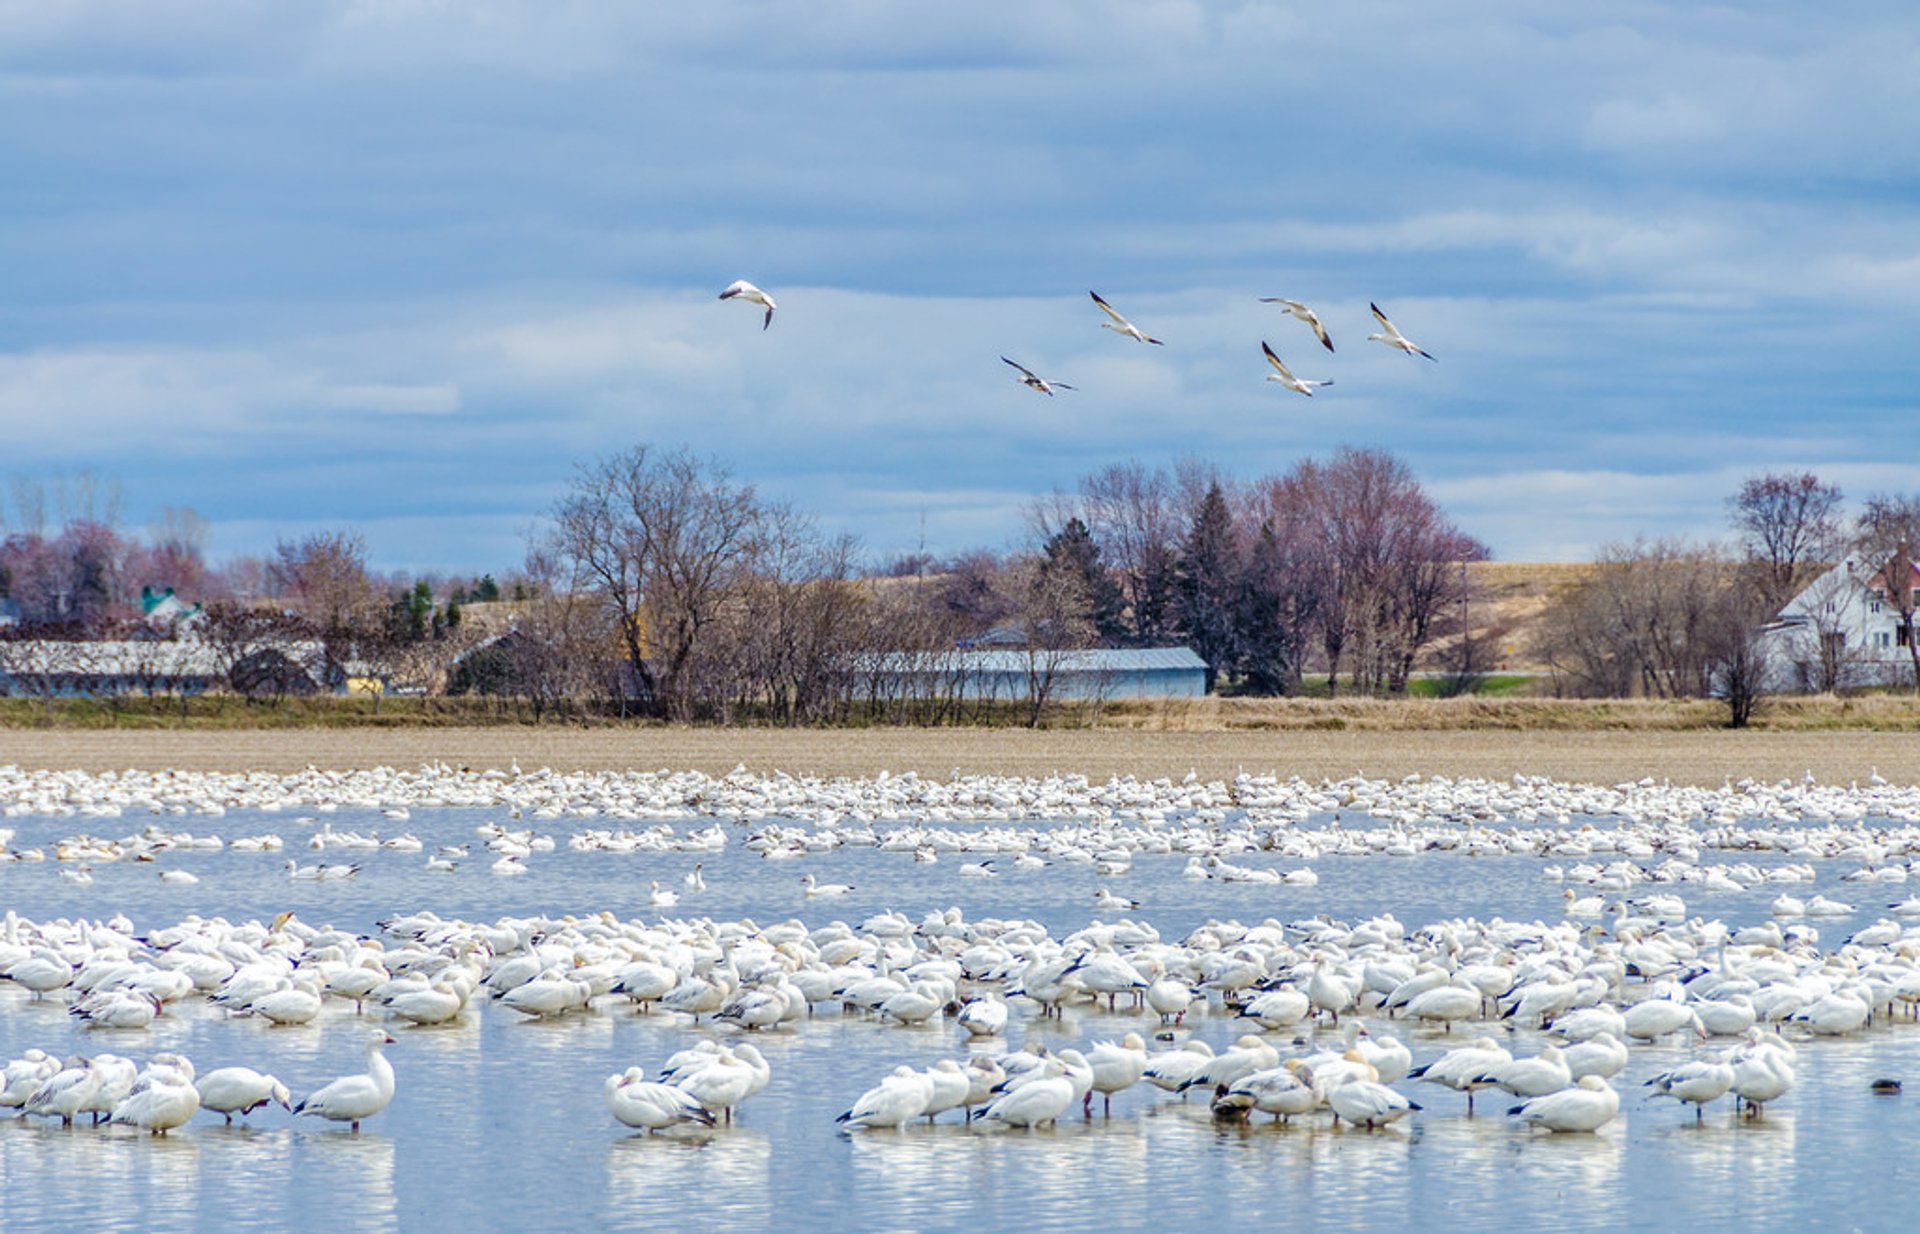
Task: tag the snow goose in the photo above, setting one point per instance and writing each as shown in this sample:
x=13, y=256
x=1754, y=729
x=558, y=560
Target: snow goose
x=983, y=1017
x=1117, y=1066
x=721, y=1085
x=64, y=1093
x=1282, y=374
x=354, y=1097
x=1602, y=1055
x=1653, y=1018
x=1392, y=336
x=1278, y=1091
x=1587, y=1106
x=1369, y=1104
x=948, y=1087
x=1698, y=1082
x=740, y=289
x=1248, y=1055
x=1463, y=1068
x=815, y=888
x=165, y=1099
x=23, y=1075
x=1041, y=1100
x=639, y=1102
x=240, y=1090
x=1293, y=308
x=1033, y=381
x=896, y=1101
x=1119, y=324
x=1761, y=1071
x=1170, y=1070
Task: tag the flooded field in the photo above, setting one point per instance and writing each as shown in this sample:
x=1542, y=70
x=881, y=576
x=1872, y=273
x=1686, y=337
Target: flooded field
x=500, y=1119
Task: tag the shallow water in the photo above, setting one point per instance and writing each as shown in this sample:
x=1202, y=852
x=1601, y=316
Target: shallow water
x=499, y=1122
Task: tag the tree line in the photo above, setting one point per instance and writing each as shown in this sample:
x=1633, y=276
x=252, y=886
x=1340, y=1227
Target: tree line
x=1671, y=618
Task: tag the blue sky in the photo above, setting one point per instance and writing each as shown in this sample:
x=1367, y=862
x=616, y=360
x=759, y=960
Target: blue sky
x=399, y=265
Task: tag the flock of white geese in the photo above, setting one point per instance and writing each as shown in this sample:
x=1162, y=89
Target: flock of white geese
x=1388, y=334
x=1325, y=1015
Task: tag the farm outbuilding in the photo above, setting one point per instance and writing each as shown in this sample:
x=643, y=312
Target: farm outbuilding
x=1153, y=672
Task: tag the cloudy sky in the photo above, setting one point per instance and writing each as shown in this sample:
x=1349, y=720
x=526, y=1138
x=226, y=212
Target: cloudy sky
x=399, y=265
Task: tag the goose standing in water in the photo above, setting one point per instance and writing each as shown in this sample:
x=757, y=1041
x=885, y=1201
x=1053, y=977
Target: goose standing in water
x=354, y=1097
x=639, y=1102
x=1589, y=1105
x=164, y=1099
x=240, y=1090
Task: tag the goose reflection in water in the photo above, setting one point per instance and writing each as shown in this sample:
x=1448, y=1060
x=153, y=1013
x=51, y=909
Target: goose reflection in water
x=358, y=1169
x=728, y=1169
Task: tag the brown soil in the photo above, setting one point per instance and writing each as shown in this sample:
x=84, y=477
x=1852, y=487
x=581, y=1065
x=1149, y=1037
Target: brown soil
x=1697, y=757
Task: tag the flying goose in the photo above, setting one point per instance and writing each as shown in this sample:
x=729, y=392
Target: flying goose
x=1033, y=381
x=1285, y=376
x=1392, y=338
x=1294, y=308
x=1119, y=324
x=752, y=295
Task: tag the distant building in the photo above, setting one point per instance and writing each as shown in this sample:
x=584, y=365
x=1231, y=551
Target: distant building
x=9, y=612
x=1842, y=631
x=165, y=612
x=67, y=668
x=1157, y=672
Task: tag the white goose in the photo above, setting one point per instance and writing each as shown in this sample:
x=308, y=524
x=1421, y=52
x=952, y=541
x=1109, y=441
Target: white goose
x=1117, y=1066
x=742, y=290
x=1033, y=381
x=354, y=1097
x=1278, y=1091
x=1119, y=324
x=1285, y=377
x=1294, y=308
x=1040, y=1100
x=1369, y=1104
x=165, y=1099
x=240, y=1090
x=896, y=1101
x=815, y=888
x=1589, y=1105
x=1392, y=336
x=639, y=1102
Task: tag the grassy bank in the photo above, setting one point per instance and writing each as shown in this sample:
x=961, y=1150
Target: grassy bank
x=1891, y=713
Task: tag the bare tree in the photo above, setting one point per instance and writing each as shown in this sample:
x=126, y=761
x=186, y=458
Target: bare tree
x=1784, y=523
x=323, y=578
x=1132, y=513
x=1650, y=619
x=1887, y=532
x=664, y=537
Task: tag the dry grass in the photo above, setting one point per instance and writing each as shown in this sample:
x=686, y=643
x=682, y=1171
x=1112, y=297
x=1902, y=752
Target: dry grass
x=1612, y=756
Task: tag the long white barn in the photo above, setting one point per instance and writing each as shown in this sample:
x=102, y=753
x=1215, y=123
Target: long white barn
x=1155, y=672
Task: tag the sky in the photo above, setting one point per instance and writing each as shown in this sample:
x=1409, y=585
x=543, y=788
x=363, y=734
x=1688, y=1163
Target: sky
x=401, y=266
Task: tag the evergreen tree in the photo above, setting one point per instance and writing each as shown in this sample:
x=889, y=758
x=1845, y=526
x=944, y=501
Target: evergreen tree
x=1073, y=559
x=1208, y=577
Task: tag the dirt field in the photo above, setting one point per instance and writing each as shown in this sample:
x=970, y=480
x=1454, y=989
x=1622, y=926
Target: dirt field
x=1604, y=757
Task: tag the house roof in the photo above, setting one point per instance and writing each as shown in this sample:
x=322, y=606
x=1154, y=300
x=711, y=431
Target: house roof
x=127, y=657
x=1091, y=660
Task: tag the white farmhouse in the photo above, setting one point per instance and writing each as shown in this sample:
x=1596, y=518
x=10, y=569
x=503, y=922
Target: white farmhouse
x=1842, y=631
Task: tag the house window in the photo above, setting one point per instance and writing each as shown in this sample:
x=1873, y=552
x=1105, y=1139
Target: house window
x=1900, y=636
x=1875, y=606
